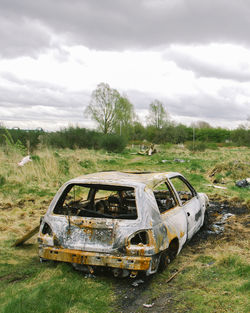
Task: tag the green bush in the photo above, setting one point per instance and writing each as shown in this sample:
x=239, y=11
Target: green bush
x=196, y=146
x=113, y=143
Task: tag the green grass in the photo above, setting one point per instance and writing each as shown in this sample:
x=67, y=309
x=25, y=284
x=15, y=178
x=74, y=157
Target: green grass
x=211, y=282
x=207, y=285
x=29, y=286
x=216, y=288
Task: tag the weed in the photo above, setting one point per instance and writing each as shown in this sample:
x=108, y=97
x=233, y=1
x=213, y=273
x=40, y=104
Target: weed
x=63, y=167
x=245, y=287
x=2, y=180
x=205, y=259
x=35, y=158
x=86, y=163
x=196, y=146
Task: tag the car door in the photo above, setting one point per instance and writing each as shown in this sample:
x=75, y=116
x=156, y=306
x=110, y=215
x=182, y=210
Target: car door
x=190, y=204
x=172, y=214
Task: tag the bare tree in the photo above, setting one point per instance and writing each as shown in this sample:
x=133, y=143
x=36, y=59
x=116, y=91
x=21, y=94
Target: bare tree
x=201, y=124
x=158, y=115
x=111, y=111
x=102, y=107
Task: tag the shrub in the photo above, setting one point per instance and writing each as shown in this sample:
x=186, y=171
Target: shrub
x=86, y=164
x=113, y=143
x=196, y=146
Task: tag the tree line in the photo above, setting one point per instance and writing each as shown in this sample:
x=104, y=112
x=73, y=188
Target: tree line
x=117, y=124
x=114, y=113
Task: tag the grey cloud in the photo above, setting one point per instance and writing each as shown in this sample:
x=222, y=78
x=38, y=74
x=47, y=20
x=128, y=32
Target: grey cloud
x=205, y=106
x=28, y=93
x=141, y=100
x=39, y=101
x=22, y=36
x=119, y=25
x=202, y=106
x=202, y=68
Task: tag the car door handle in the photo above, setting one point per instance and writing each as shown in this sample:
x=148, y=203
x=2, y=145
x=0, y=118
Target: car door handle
x=188, y=214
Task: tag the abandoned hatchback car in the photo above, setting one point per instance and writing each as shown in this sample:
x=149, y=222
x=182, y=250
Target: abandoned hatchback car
x=128, y=222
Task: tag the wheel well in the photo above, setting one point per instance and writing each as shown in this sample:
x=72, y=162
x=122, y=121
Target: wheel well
x=169, y=254
x=173, y=247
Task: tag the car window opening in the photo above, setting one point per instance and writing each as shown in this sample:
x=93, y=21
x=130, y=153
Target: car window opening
x=100, y=201
x=164, y=197
x=183, y=188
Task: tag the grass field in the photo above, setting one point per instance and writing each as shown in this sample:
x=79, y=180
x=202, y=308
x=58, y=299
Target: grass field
x=215, y=272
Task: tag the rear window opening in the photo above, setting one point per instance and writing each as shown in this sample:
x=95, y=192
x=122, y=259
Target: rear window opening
x=101, y=201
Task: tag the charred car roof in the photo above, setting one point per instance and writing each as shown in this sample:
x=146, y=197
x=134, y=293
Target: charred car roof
x=150, y=179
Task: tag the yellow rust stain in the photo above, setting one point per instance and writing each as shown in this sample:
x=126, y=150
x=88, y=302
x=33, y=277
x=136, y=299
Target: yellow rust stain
x=81, y=223
x=171, y=236
x=182, y=234
x=92, y=258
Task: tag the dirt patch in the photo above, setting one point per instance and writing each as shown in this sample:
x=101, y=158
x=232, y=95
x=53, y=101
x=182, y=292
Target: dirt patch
x=12, y=279
x=6, y=206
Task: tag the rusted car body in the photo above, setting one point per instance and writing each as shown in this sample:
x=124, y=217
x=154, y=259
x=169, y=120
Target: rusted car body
x=127, y=222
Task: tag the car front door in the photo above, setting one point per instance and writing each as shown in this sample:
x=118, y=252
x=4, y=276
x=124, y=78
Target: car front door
x=190, y=204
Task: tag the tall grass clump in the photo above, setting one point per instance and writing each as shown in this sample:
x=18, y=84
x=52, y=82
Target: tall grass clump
x=196, y=146
x=11, y=145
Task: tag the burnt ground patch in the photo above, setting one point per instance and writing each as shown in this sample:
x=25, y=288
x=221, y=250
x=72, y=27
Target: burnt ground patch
x=131, y=298
x=218, y=213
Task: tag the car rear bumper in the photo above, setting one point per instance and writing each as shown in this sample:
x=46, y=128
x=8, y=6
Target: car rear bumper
x=135, y=263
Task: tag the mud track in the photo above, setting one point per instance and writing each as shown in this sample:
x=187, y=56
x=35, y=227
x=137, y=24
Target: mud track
x=131, y=298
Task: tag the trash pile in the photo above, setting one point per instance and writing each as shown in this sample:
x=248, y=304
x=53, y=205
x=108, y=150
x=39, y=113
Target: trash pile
x=148, y=150
x=243, y=183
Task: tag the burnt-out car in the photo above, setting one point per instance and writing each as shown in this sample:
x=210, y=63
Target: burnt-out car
x=128, y=222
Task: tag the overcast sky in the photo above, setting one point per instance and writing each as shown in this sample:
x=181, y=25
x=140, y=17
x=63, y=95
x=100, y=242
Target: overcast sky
x=192, y=55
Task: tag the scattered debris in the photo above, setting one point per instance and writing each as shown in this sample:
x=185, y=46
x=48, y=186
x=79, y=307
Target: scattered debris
x=218, y=227
x=27, y=236
x=215, y=186
x=243, y=183
x=176, y=273
x=181, y=145
x=175, y=160
x=137, y=282
x=148, y=305
x=179, y=160
x=24, y=160
x=148, y=150
x=89, y=276
x=228, y=171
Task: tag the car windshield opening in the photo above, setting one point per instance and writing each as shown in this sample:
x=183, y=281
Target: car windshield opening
x=95, y=200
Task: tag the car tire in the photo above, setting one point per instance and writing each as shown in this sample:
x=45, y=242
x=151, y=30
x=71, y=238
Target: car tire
x=164, y=260
x=206, y=220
